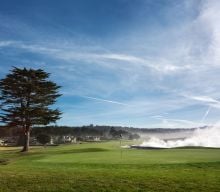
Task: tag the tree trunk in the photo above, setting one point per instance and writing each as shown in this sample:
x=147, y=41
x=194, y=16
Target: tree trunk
x=26, y=141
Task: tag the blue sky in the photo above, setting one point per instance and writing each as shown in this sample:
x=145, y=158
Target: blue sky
x=142, y=63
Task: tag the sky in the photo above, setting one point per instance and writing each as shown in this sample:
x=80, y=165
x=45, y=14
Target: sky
x=140, y=63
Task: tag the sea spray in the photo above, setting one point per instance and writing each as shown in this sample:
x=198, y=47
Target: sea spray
x=207, y=137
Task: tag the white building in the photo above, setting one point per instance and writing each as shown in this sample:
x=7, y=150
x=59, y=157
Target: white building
x=1, y=142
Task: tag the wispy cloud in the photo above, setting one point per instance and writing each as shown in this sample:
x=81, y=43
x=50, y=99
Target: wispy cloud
x=71, y=54
x=171, y=68
x=6, y=43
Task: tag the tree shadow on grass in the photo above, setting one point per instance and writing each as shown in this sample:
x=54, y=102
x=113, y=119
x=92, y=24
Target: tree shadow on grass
x=4, y=161
x=35, y=155
x=42, y=154
x=84, y=150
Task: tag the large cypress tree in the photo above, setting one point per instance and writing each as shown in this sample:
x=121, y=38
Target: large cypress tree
x=25, y=97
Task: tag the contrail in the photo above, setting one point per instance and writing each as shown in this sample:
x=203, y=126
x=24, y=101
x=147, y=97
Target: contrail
x=174, y=120
x=206, y=114
x=105, y=100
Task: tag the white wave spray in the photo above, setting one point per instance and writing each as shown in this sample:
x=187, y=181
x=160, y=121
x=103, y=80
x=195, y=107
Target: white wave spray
x=208, y=137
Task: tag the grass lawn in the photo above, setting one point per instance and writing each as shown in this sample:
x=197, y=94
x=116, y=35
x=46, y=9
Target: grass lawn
x=105, y=167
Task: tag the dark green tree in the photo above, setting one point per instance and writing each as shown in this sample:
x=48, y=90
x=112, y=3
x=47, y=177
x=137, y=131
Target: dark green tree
x=25, y=97
x=43, y=138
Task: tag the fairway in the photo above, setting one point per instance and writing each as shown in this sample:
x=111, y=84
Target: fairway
x=107, y=167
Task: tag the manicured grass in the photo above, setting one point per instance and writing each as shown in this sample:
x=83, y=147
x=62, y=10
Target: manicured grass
x=106, y=167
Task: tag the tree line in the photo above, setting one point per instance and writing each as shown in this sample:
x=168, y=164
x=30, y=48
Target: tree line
x=104, y=132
